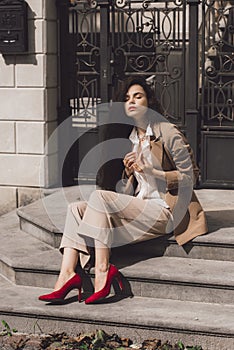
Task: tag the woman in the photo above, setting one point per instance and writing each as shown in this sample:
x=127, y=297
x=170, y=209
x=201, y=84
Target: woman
x=158, y=198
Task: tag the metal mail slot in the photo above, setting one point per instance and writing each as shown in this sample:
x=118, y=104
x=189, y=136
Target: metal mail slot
x=13, y=26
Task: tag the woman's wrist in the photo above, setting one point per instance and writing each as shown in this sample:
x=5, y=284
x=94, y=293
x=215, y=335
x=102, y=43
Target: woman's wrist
x=159, y=174
x=128, y=172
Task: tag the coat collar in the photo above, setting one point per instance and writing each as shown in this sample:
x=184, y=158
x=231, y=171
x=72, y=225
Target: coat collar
x=156, y=144
x=156, y=131
x=134, y=138
x=153, y=130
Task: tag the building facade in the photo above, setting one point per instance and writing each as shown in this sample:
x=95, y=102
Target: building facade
x=28, y=112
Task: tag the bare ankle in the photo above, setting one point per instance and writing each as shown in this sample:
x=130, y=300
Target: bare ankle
x=63, y=278
x=66, y=273
x=102, y=268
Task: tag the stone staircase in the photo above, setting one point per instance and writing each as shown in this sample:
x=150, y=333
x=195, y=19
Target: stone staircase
x=179, y=292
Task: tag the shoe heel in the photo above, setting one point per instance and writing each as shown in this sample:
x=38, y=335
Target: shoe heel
x=79, y=295
x=120, y=282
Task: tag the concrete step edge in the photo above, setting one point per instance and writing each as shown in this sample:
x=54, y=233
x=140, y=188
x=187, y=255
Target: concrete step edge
x=55, y=206
x=34, y=221
x=147, y=307
x=218, y=284
x=52, y=230
x=34, y=325
x=140, y=326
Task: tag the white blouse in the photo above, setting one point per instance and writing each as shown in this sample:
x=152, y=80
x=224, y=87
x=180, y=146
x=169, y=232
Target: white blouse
x=147, y=185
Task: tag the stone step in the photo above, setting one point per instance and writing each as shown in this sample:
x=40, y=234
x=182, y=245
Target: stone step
x=19, y=251
x=24, y=260
x=181, y=279
x=45, y=220
x=208, y=325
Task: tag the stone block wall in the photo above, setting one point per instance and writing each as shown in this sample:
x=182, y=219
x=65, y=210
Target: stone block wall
x=28, y=111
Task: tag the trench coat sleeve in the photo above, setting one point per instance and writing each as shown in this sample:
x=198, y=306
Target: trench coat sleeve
x=181, y=173
x=180, y=156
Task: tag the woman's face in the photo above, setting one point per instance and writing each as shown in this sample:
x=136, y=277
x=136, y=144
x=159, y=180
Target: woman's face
x=136, y=102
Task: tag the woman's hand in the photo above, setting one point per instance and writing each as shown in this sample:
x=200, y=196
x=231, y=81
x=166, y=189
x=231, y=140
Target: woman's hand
x=132, y=163
x=143, y=166
x=128, y=161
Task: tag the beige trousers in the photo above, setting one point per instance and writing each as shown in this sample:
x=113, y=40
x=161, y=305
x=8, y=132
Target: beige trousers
x=113, y=219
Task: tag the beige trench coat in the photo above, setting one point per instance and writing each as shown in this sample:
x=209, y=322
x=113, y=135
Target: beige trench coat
x=172, y=154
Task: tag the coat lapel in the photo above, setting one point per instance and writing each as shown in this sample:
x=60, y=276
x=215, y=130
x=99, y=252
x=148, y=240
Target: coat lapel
x=156, y=146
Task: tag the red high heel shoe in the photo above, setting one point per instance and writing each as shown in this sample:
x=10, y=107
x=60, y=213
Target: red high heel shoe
x=59, y=295
x=113, y=273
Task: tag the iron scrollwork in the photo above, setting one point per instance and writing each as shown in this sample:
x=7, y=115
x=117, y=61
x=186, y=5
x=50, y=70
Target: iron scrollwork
x=85, y=34
x=120, y=3
x=147, y=38
x=146, y=43
x=218, y=64
x=145, y=4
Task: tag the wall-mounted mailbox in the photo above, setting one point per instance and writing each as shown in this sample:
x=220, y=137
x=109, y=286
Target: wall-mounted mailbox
x=13, y=26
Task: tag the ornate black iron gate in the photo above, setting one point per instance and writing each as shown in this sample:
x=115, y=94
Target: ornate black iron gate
x=104, y=41
x=217, y=93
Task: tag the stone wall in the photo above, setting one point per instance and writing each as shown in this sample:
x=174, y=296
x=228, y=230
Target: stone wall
x=28, y=112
